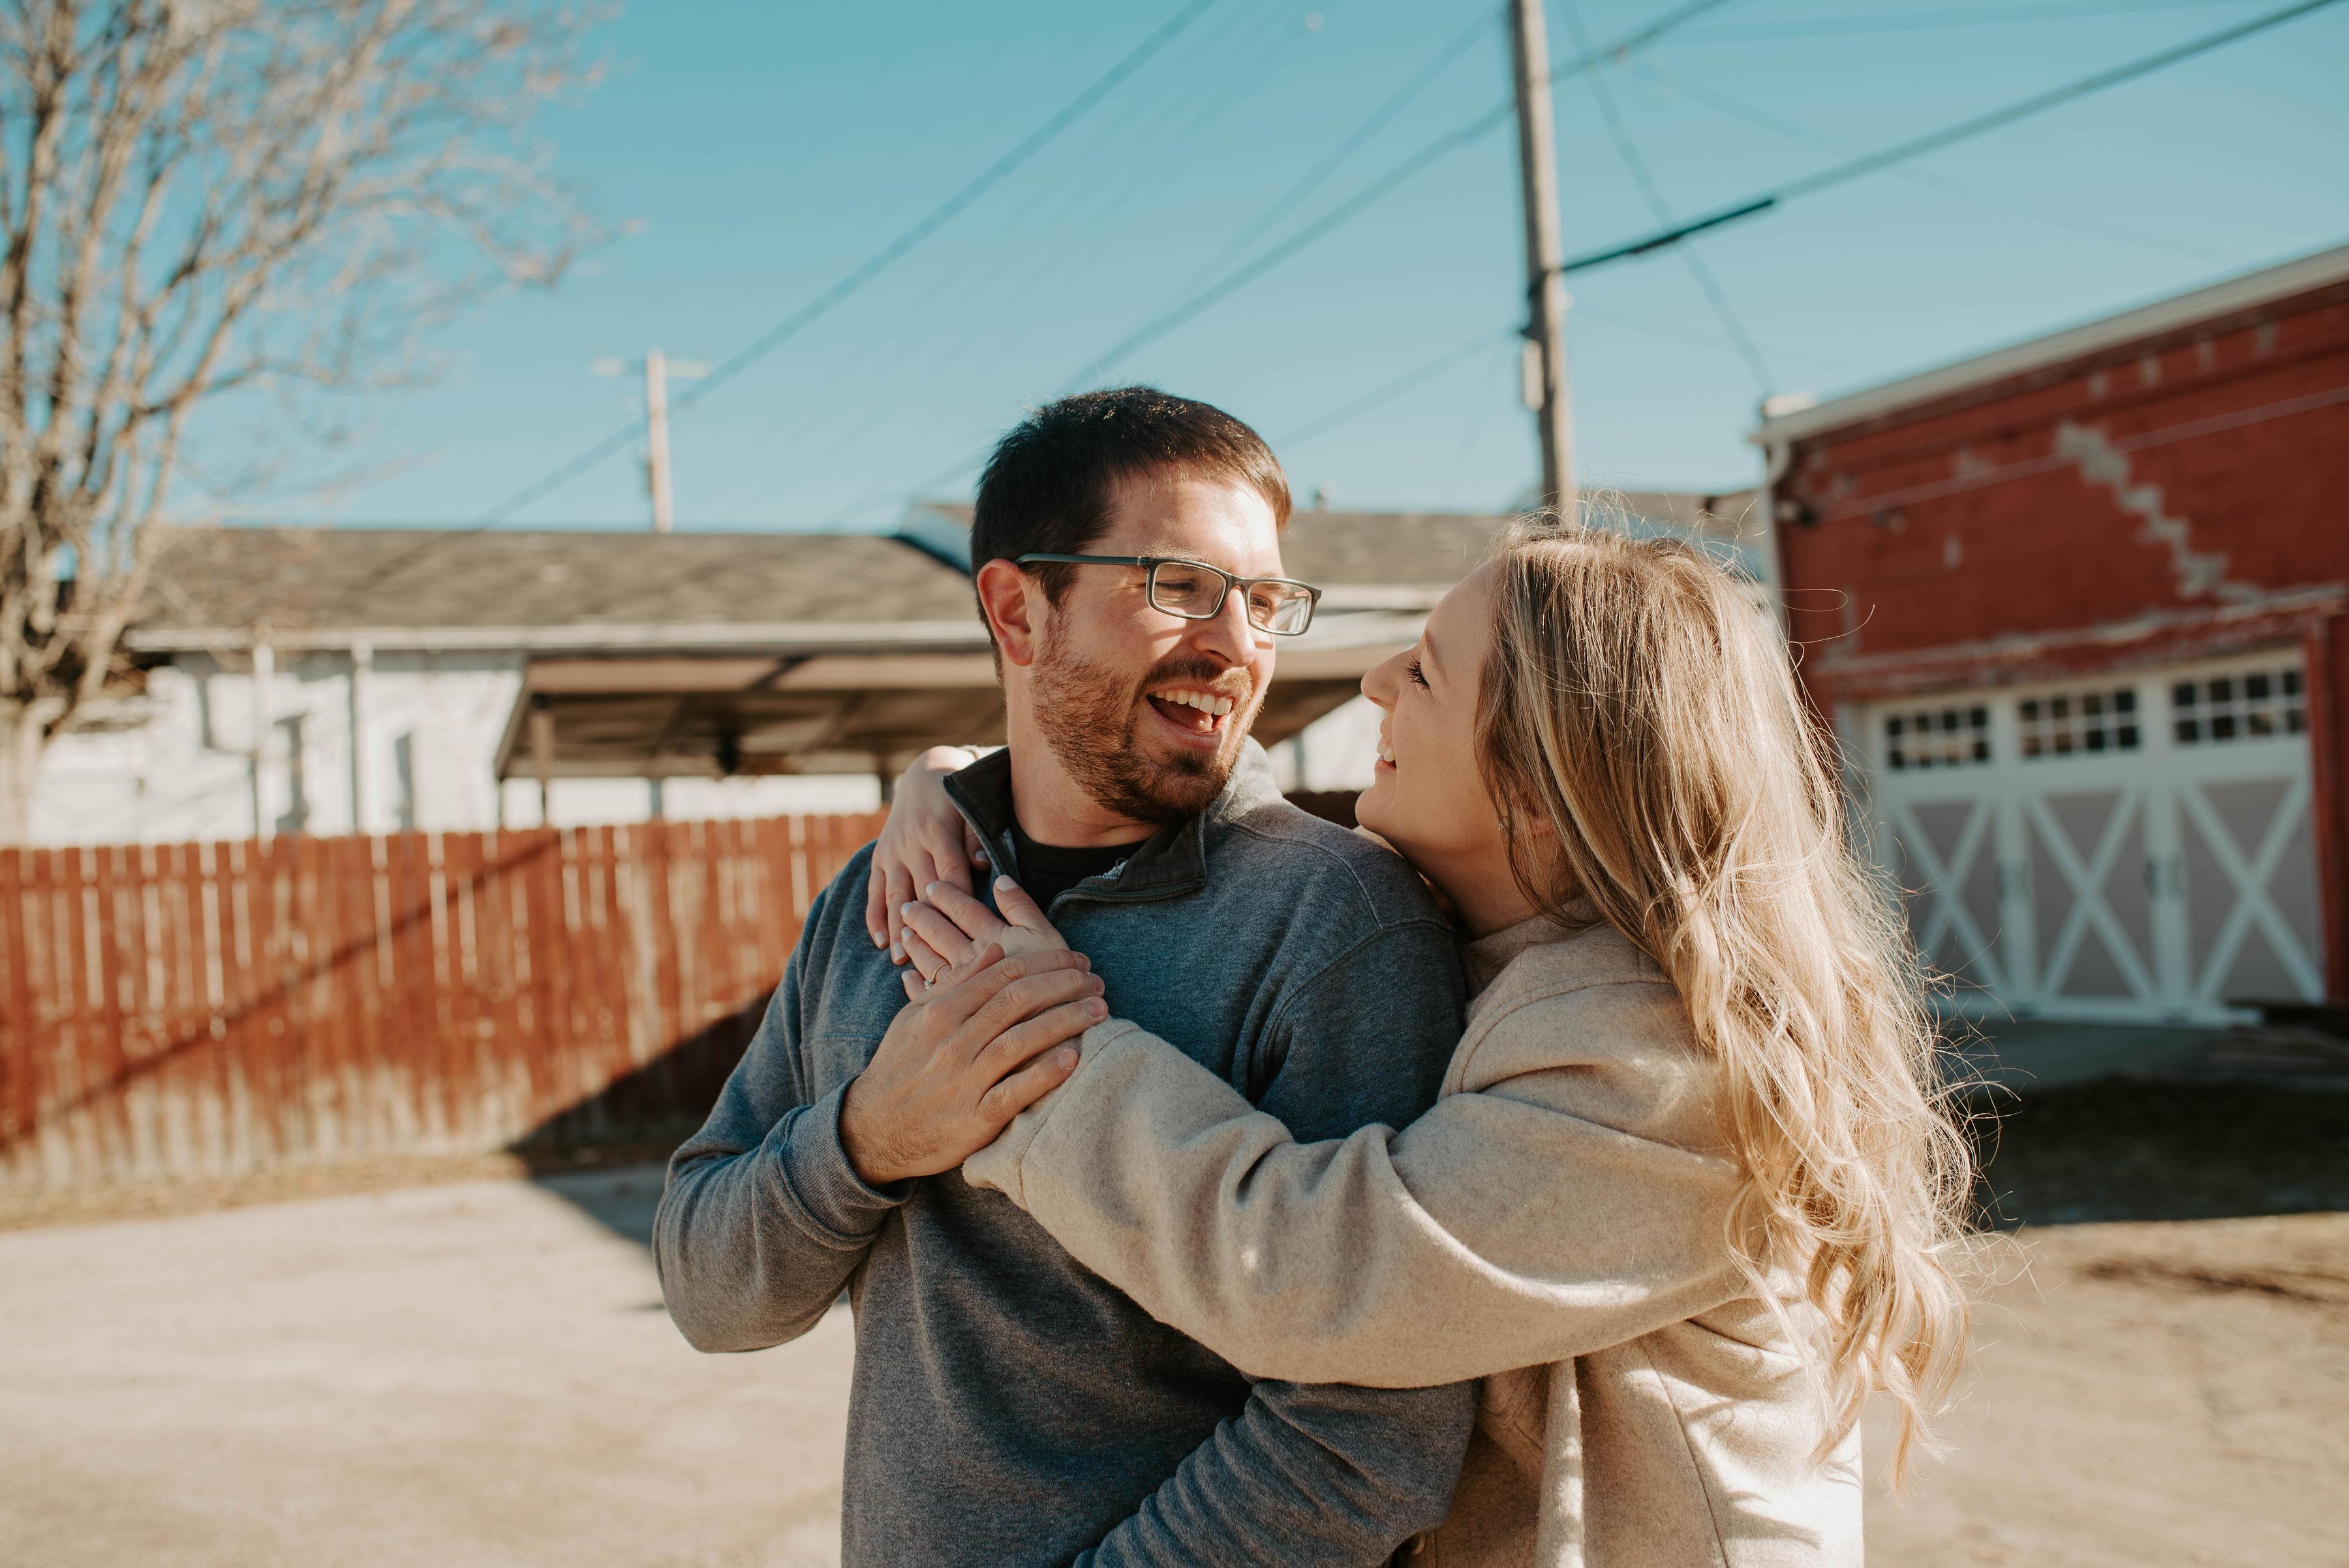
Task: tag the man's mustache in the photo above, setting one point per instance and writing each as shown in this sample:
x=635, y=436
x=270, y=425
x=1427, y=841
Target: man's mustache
x=1221, y=680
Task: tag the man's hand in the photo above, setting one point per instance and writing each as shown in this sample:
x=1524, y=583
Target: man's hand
x=955, y=1068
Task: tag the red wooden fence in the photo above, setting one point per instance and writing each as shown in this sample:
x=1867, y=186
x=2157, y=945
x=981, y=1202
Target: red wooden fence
x=212, y=1007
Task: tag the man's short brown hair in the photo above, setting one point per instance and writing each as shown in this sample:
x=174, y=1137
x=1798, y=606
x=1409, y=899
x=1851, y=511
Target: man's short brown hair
x=1047, y=489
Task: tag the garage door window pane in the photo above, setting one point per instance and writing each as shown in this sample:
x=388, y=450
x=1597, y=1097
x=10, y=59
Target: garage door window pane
x=1937, y=738
x=2079, y=721
x=2254, y=707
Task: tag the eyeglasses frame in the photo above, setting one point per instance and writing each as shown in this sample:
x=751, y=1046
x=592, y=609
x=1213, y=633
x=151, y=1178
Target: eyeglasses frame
x=1150, y=563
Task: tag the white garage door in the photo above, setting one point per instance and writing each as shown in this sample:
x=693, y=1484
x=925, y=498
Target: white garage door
x=2129, y=848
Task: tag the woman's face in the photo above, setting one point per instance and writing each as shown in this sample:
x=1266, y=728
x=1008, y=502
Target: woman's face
x=1427, y=796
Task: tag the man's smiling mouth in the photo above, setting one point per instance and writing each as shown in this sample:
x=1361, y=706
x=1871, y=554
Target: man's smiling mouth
x=1194, y=711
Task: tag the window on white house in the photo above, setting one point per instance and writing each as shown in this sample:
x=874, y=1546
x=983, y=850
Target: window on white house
x=2221, y=708
x=1937, y=738
x=2074, y=721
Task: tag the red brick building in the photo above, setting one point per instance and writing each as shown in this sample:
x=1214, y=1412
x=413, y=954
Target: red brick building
x=2077, y=608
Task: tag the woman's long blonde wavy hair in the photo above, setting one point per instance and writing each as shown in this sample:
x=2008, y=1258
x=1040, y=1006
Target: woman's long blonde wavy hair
x=1642, y=706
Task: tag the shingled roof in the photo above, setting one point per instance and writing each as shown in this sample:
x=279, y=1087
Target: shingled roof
x=343, y=579
x=474, y=586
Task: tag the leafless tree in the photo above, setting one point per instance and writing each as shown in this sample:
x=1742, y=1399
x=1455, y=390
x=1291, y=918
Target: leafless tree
x=204, y=198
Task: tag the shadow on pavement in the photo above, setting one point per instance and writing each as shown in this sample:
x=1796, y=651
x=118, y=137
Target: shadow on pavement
x=2162, y=1148
x=2083, y=1122
x=621, y=1197
x=2074, y=1123
x=605, y=1154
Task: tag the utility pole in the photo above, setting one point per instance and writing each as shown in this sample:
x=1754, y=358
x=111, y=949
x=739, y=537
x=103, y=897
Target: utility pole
x=1545, y=386
x=658, y=369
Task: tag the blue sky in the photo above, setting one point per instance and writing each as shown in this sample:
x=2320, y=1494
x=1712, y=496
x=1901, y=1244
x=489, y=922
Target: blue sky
x=759, y=152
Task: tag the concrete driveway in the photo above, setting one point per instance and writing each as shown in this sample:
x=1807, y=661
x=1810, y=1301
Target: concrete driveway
x=480, y=1375
x=471, y=1374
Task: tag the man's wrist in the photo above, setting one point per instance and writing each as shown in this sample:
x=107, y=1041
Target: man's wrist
x=867, y=1156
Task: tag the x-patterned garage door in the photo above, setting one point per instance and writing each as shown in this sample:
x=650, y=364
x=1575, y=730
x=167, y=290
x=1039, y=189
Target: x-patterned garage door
x=2136, y=847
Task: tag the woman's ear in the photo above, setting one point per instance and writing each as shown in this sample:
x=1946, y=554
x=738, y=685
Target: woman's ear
x=1013, y=610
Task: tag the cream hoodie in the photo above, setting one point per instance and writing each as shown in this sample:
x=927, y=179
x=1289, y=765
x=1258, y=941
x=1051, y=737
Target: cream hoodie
x=1554, y=1225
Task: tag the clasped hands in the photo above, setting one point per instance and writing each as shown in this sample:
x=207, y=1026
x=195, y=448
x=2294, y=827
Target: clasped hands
x=993, y=1001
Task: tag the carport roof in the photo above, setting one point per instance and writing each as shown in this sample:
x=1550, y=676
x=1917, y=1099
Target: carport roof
x=578, y=588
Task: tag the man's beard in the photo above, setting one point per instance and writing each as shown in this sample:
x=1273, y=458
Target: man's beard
x=1091, y=716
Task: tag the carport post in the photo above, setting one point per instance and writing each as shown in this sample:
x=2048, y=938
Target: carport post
x=542, y=757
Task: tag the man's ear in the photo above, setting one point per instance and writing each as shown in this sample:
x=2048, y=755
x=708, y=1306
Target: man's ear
x=1015, y=610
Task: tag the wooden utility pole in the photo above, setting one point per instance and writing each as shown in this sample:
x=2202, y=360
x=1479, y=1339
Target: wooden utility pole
x=657, y=438
x=1547, y=388
x=658, y=369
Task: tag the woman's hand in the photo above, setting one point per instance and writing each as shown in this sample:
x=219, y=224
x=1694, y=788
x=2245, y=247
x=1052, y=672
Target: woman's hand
x=943, y=931
x=925, y=840
x=954, y=1069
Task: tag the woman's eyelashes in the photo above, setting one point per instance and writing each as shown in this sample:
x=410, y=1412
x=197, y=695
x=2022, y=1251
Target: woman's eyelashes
x=1416, y=674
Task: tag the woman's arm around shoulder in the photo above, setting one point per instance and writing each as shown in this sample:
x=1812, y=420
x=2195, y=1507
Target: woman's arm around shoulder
x=1570, y=1197
x=925, y=840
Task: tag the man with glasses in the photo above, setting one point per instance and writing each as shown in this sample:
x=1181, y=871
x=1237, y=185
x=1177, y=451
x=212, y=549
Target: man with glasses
x=1008, y=1407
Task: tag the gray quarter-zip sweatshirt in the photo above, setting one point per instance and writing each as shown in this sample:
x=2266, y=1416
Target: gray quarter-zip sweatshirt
x=1008, y=1405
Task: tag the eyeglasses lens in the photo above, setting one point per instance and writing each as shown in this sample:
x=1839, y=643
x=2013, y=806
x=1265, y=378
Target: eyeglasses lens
x=1279, y=610
x=1186, y=590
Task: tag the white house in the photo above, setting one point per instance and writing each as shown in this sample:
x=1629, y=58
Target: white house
x=331, y=680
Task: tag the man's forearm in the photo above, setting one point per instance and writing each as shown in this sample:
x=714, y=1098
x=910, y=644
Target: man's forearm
x=1306, y=1475
x=754, y=1244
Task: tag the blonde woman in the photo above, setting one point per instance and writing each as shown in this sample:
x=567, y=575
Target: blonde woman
x=1688, y=1197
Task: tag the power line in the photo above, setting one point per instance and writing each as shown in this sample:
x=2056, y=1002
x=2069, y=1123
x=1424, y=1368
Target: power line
x=1400, y=174
x=1094, y=201
x=1463, y=137
x=1391, y=391
x=1736, y=108
x=1611, y=115
x=901, y=493
x=1370, y=125
x=1474, y=130
x=873, y=265
x=1638, y=37
x=1948, y=136
x=1918, y=21
x=1474, y=434
x=1265, y=261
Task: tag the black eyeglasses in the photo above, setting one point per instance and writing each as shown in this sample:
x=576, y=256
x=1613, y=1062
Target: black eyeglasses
x=1197, y=591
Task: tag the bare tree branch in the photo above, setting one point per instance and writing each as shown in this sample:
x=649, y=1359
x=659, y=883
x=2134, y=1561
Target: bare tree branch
x=200, y=198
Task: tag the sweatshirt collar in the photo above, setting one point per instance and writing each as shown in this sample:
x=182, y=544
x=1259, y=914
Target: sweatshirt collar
x=1170, y=862
x=1487, y=956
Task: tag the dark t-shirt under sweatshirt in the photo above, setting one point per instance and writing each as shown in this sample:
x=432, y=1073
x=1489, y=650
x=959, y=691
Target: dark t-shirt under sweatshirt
x=1010, y=1407
x=1049, y=870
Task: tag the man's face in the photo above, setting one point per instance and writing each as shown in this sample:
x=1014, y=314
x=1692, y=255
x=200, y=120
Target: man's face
x=1146, y=710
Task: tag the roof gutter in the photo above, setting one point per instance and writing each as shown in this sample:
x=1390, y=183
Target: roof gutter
x=780, y=638
x=775, y=637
